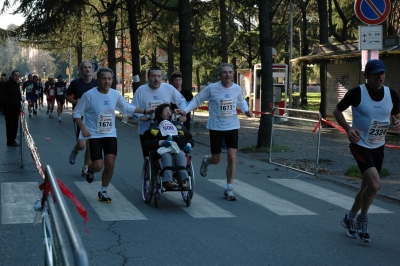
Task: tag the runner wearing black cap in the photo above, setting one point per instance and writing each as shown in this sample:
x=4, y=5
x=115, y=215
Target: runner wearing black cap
x=373, y=105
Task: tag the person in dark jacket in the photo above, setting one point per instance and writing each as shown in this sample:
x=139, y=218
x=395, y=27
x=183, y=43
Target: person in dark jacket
x=3, y=79
x=176, y=79
x=11, y=99
x=163, y=134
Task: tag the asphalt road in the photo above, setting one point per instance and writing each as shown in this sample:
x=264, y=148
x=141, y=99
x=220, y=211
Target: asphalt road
x=281, y=217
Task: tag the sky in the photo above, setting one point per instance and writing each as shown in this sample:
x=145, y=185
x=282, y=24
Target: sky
x=6, y=19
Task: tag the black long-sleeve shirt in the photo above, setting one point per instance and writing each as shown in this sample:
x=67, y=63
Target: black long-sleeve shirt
x=11, y=94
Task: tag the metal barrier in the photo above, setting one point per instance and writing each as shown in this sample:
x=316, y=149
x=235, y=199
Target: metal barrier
x=295, y=140
x=59, y=230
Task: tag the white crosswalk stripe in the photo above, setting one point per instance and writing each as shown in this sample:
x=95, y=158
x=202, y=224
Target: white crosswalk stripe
x=324, y=194
x=200, y=207
x=109, y=212
x=17, y=200
x=264, y=199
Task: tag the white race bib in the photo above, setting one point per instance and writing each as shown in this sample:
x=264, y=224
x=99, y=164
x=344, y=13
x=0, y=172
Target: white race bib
x=225, y=107
x=104, y=123
x=29, y=88
x=167, y=128
x=60, y=91
x=377, y=131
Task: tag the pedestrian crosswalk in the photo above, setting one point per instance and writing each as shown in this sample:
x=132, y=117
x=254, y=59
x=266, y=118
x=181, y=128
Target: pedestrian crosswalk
x=17, y=200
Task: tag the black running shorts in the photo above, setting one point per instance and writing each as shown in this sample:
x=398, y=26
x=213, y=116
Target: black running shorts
x=97, y=146
x=367, y=158
x=231, y=140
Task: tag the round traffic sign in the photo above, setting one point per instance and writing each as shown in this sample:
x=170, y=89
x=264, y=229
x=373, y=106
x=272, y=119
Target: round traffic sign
x=372, y=12
x=95, y=66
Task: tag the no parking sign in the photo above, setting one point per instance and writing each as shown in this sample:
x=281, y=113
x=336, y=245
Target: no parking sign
x=372, y=12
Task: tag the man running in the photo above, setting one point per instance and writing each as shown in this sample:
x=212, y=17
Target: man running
x=50, y=91
x=372, y=106
x=223, y=122
x=98, y=106
x=77, y=88
x=61, y=88
x=41, y=90
x=30, y=87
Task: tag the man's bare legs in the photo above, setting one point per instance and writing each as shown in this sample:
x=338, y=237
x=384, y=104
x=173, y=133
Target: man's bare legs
x=369, y=186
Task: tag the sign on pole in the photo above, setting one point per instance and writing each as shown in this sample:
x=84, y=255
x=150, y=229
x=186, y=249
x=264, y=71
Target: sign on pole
x=95, y=66
x=372, y=12
x=370, y=37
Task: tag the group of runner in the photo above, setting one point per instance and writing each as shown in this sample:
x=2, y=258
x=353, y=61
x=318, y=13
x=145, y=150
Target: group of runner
x=95, y=119
x=34, y=90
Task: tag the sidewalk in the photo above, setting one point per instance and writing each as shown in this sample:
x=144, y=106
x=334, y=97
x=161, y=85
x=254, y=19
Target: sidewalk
x=332, y=165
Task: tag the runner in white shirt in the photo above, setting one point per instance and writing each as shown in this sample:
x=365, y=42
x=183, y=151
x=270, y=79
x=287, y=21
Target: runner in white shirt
x=151, y=95
x=223, y=122
x=98, y=106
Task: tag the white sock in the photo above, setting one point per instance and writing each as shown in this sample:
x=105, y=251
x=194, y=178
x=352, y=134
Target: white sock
x=228, y=186
x=103, y=189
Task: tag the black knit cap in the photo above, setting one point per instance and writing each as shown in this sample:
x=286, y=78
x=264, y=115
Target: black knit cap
x=175, y=75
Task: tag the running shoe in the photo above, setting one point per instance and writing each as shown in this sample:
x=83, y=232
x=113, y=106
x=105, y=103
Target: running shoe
x=103, y=197
x=48, y=111
x=59, y=119
x=51, y=115
x=34, y=111
x=362, y=231
x=89, y=176
x=72, y=156
x=350, y=225
x=228, y=194
x=84, y=171
x=30, y=114
x=203, y=167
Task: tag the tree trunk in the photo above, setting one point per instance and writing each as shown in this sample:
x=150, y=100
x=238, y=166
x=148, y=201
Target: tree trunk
x=134, y=33
x=224, y=41
x=264, y=131
x=186, y=44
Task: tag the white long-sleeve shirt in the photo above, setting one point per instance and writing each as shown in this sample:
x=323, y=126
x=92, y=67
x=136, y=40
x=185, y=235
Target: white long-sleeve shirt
x=222, y=104
x=147, y=98
x=98, y=110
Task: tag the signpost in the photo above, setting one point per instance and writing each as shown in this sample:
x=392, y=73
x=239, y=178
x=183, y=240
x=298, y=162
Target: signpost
x=95, y=66
x=371, y=12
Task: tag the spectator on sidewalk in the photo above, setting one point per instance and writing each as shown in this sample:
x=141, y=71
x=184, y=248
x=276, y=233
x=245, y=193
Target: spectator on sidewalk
x=11, y=100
